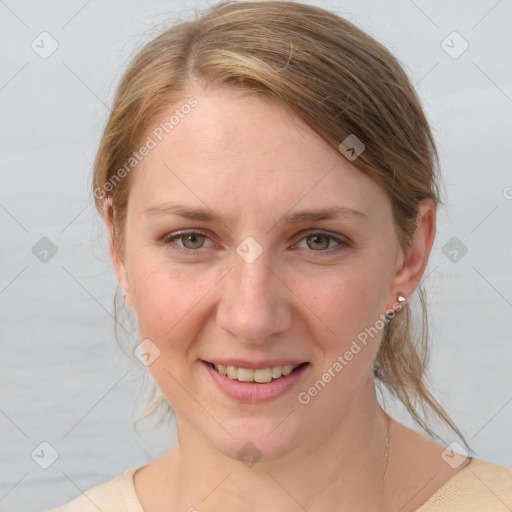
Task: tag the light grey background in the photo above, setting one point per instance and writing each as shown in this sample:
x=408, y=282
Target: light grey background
x=64, y=382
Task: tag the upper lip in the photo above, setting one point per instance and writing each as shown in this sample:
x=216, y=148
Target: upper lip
x=255, y=365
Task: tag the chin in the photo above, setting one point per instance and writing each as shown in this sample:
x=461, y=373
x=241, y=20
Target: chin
x=258, y=441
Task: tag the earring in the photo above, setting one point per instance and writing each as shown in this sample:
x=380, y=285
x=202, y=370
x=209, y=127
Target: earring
x=401, y=298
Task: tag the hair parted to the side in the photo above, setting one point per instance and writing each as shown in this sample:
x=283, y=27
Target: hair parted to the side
x=334, y=76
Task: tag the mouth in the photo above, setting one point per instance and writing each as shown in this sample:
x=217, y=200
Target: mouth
x=263, y=382
x=257, y=375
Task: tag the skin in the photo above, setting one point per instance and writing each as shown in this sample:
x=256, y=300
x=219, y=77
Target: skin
x=252, y=162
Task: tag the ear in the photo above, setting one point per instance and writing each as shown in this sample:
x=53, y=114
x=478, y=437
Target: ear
x=115, y=255
x=412, y=262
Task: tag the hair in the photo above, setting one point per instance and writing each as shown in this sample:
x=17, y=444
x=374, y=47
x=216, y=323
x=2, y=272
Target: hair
x=336, y=78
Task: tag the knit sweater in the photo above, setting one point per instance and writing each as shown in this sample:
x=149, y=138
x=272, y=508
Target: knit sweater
x=478, y=487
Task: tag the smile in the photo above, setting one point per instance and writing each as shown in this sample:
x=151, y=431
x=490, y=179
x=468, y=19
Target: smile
x=261, y=375
x=253, y=385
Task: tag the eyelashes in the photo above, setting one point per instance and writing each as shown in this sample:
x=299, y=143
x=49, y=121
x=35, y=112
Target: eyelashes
x=193, y=236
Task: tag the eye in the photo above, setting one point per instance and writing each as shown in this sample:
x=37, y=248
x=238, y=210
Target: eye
x=321, y=242
x=191, y=242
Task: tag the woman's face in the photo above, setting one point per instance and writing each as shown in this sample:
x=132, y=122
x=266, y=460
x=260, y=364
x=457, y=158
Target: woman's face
x=271, y=284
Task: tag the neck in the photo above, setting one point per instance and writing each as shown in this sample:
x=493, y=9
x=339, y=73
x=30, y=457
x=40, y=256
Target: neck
x=335, y=473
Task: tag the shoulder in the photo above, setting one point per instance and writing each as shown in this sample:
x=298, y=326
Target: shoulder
x=116, y=495
x=479, y=487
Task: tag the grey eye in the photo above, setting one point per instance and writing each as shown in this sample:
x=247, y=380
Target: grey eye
x=192, y=240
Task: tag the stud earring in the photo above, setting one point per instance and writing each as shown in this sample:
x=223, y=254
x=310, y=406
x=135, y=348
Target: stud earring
x=401, y=298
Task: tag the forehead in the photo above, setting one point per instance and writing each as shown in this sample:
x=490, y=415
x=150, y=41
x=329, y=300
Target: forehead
x=238, y=150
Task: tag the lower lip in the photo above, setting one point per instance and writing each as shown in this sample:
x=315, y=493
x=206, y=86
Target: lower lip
x=254, y=392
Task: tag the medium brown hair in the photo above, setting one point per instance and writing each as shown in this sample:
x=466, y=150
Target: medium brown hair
x=335, y=77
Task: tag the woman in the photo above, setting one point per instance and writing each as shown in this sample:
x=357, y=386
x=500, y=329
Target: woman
x=267, y=177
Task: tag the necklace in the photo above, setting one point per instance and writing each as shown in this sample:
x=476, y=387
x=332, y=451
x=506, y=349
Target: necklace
x=387, y=455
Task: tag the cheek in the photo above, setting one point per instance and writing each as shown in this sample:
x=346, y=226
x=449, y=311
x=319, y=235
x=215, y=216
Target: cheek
x=351, y=306
x=161, y=297
x=169, y=302
x=171, y=314
x=350, y=302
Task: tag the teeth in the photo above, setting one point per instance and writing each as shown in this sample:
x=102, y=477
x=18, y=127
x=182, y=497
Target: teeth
x=245, y=375
x=277, y=371
x=261, y=375
x=232, y=372
x=287, y=369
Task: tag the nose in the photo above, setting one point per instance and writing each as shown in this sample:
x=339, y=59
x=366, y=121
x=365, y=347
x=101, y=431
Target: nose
x=255, y=303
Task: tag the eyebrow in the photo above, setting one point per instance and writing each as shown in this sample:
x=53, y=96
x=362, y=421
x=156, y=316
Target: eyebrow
x=207, y=215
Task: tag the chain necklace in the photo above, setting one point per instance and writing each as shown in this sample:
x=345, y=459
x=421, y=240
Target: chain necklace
x=387, y=456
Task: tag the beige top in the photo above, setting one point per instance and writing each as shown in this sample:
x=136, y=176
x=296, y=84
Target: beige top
x=479, y=487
